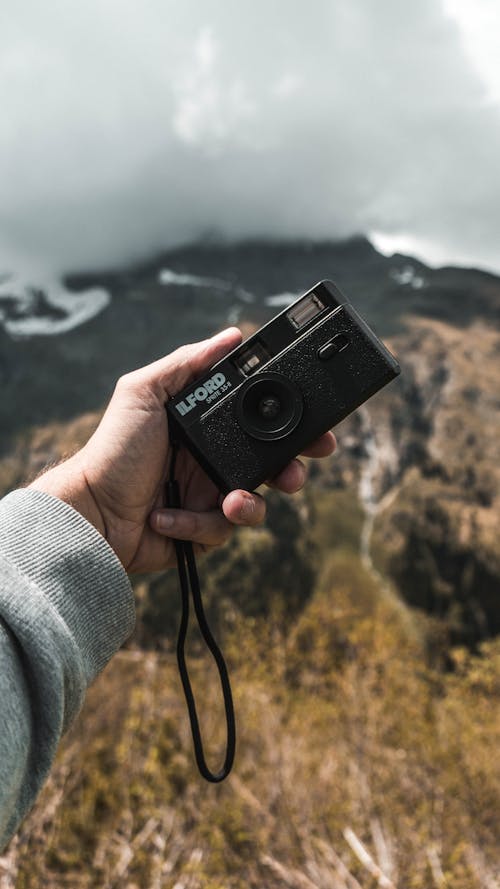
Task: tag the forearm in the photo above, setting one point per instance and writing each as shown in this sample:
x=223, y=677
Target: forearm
x=66, y=606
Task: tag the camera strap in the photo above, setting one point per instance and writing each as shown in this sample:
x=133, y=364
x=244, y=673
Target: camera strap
x=188, y=579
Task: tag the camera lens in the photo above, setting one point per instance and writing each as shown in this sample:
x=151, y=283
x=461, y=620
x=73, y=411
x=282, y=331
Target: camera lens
x=269, y=406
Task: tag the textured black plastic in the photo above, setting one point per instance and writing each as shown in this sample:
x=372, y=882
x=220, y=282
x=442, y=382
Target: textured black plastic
x=330, y=390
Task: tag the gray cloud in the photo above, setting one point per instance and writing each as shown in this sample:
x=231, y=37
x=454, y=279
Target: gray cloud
x=127, y=126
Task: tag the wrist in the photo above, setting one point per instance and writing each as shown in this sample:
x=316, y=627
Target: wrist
x=67, y=482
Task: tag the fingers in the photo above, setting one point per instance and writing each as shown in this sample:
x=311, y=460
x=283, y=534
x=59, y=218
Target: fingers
x=242, y=508
x=210, y=528
x=207, y=528
x=239, y=507
x=291, y=479
x=170, y=374
x=322, y=447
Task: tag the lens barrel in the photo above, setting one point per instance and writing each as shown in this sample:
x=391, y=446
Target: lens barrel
x=269, y=406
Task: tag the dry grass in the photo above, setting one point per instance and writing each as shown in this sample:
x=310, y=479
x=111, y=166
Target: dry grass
x=357, y=765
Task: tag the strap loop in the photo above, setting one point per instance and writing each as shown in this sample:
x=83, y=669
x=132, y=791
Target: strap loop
x=188, y=578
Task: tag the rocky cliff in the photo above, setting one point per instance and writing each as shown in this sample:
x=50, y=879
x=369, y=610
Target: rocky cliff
x=415, y=486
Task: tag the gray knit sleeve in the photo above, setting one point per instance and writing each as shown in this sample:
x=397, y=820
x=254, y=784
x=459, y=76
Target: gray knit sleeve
x=66, y=606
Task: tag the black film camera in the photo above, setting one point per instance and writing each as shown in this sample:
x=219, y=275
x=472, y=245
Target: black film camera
x=294, y=379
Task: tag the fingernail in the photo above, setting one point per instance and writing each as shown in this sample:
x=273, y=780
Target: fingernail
x=247, y=509
x=164, y=521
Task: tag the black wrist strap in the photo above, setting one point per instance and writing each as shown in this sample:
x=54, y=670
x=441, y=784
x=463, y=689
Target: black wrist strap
x=188, y=578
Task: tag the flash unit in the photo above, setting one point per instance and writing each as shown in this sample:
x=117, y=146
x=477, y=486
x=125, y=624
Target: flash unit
x=305, y=310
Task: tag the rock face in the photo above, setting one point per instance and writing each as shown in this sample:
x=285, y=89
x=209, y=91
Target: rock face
x=424, y=455
x=420, y=462
x=438, y=527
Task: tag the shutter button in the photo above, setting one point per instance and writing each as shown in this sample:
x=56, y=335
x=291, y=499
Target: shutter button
x=332, y=347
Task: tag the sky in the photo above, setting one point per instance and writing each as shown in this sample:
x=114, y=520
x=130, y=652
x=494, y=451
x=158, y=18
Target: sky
x=128, y=126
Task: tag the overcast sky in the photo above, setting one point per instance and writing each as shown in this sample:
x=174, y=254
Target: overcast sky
x=131, y=125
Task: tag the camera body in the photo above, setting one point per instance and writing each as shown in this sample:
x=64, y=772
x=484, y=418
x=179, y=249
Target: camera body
x=282, y=388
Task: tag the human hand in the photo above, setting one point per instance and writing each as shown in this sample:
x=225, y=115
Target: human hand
x=116, y=481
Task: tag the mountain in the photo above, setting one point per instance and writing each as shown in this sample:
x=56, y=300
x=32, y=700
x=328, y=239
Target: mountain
x=418, y=466
x=353, y=622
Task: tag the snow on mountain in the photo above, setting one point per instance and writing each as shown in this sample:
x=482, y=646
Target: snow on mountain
x=407, y=275
x=48, y=308
x=168, y=276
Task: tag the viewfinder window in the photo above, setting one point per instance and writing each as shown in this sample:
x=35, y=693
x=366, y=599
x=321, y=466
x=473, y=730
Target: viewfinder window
x=305, y=311
x=250, y=359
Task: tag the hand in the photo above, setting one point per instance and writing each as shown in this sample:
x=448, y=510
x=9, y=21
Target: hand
x=116, y=481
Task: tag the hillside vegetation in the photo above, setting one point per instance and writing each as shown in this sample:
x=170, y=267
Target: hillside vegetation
x=361, y=623
x=357, y=756
x=367, y=744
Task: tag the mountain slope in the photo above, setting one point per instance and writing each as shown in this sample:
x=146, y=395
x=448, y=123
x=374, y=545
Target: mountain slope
x=419, y=463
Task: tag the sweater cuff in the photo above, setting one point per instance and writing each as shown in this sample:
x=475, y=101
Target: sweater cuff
x=74, y=567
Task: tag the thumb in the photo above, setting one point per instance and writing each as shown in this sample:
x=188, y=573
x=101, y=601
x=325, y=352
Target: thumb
x=169, y=375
